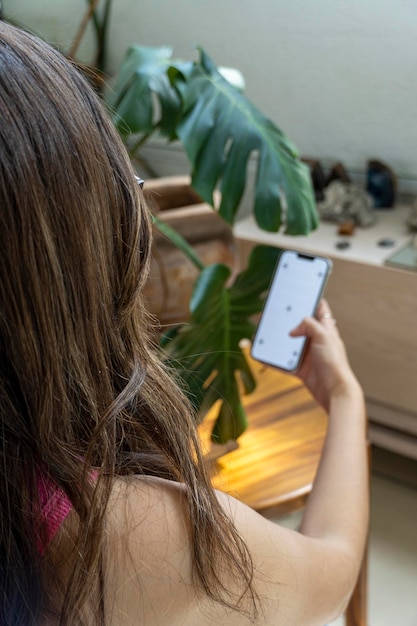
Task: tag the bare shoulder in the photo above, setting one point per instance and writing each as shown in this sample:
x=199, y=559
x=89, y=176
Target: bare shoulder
x=301, y=580
x=150, y=577
x=147, y=516
x=148, y=571
x=140, y=501
x=149, y=557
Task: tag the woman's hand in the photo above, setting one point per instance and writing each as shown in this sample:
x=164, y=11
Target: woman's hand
x=325, y=368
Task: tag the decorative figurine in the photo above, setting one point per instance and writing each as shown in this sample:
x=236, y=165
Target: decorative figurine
x=381, y=184
x=345, y=202
x=412, y=218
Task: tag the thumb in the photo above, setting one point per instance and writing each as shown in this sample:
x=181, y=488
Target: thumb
x=307, y=328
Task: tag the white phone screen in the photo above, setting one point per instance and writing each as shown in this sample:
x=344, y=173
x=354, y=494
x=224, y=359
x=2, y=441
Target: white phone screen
x=294, y=294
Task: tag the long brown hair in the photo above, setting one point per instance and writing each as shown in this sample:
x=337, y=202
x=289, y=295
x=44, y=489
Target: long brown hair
x=81, y=386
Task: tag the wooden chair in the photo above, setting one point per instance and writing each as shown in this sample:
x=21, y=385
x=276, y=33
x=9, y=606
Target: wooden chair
x=273, y=465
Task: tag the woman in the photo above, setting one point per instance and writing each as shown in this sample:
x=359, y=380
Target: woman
x=107, y=516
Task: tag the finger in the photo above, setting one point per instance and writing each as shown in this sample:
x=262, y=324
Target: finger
x=307, y=328
x=323, y=309
x=324, y=314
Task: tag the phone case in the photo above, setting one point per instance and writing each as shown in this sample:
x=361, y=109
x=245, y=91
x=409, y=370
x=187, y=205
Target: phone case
x=295, y=292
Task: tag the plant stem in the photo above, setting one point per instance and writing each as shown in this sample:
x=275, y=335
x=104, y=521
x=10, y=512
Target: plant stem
x=230, y=381
x=179, y=241
x=83, y=25
x=101, y=59
x=142, y=139
x=145, y=166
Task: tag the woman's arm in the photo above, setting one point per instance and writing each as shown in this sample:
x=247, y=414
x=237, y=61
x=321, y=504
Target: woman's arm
x=316, y=569
x=337, y=508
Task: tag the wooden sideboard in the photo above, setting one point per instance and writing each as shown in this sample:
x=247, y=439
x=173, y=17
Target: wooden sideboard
x=376, y=310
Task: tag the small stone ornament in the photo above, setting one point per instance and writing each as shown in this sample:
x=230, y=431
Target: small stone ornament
x=381, y=184
x=412, y=218
x=344, y=202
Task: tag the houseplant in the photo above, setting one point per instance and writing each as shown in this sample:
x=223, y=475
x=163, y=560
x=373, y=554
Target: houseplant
x=219, y=130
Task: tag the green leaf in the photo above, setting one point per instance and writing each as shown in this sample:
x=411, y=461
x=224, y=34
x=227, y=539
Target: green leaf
x=221, y=130
x=144, y=72
x=231, y=422
x=211, y=281
x=206, y=351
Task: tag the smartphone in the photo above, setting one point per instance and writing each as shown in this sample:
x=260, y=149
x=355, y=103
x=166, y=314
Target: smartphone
x=295, y=292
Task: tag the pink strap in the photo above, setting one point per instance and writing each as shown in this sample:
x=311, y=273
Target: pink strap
x=55, y=507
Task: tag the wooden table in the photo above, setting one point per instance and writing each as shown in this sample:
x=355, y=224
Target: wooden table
x=274, y=464
x=276, y=460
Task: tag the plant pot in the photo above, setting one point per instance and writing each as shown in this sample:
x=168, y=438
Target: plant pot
x=172, y=276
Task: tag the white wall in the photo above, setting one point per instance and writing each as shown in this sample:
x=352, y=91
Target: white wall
x=338, y=77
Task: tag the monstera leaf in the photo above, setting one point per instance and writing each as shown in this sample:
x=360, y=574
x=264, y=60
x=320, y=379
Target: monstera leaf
x=220, y=130
x=206, y=350
x=143, y=75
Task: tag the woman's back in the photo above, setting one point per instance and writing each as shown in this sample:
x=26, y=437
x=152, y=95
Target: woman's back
x=150, y=576
x=147, y=559
x=87, y=405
